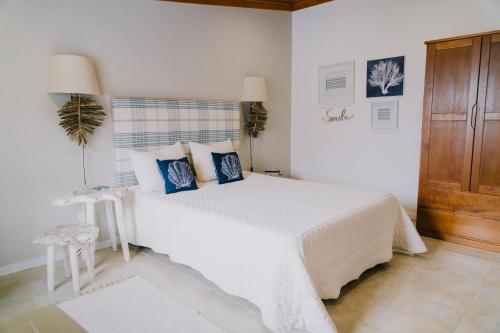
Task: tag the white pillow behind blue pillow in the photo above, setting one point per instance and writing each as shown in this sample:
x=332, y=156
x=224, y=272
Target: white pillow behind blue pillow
x=146, y=169
x=202, y=158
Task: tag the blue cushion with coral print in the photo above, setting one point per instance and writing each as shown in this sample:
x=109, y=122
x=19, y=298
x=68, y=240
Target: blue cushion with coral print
x=227, y=167
x=177, y=175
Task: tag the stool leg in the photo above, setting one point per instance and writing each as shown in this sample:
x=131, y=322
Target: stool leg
x=89, y=260
x=74, y=267
x=111, y=223
x=121, y=228
x=67, y=269
x=50, y=267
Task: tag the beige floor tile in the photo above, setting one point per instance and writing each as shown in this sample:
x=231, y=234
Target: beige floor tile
x=9, y=286
x=365, y=294
x=413, y=310
x=487, y=303
x=473, y=323
x=471, y=268
x=442, y=284
x=492, y=278
x=16, y=308
x=349, y=320
x=435, y=246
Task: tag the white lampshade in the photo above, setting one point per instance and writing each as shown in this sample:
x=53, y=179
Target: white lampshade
x=253, y=89
x=72, y=74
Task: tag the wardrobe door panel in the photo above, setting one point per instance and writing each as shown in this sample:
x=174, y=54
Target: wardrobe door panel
x=452, y=68
x=446, y=151
x=455, y=75
x=486, y=161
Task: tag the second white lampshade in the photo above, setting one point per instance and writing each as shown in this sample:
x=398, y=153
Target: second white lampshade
x=254, y=89
x=72, y=74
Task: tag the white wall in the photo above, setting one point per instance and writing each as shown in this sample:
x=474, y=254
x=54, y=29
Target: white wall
x=342, y=30
x=141, y=48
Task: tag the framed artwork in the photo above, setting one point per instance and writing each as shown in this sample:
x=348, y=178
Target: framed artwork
x=336, y=84
x=385, y=115
x=385, y=77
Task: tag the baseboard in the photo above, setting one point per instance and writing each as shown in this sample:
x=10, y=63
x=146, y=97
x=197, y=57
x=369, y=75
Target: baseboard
x=30, y=263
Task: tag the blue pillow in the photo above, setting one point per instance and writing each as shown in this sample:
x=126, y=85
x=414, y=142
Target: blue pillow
x=227, y=167
x=177, y=174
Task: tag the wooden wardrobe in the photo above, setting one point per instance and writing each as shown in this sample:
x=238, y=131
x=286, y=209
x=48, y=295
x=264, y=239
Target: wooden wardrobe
x=459, y=187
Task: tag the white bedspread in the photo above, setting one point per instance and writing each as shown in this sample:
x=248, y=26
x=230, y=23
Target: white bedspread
x=280, y=243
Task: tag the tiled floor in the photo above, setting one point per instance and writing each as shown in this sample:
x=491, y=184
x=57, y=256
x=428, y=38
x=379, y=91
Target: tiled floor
x=452, y=288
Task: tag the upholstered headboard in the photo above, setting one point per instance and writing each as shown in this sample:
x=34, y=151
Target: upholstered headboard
x=146, y=124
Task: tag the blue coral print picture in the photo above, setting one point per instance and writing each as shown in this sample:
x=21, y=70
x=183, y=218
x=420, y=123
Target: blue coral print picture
x=385, y=77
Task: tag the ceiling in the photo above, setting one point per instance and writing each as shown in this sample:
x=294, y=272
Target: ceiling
x=286, y=5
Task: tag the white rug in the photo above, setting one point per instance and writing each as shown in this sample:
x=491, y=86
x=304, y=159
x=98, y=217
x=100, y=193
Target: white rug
x=135, y=306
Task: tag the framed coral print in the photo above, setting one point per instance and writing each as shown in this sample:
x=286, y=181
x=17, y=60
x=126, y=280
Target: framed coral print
x=336, y=84
x=385, y=77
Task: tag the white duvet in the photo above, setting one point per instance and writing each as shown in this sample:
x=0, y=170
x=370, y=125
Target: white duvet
x=282, y=244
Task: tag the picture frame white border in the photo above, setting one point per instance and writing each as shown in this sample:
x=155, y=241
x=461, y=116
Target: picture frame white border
x=348, y=99
x=385, y=125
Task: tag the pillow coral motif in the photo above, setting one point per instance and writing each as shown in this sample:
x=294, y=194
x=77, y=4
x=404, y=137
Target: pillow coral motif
x=231, y=167
x=180, y=174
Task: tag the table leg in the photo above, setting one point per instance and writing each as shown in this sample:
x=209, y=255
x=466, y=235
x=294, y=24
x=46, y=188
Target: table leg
x=50, y=267
x=74, y=267
x=90, y=213
x=81, y=213
x=67, y=269
x=120, y=223
x=111, y=223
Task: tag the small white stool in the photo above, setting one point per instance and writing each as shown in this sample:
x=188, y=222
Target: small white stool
x=71, y=237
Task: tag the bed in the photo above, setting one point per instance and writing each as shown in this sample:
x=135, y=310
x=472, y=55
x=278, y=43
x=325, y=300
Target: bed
x=282, y=244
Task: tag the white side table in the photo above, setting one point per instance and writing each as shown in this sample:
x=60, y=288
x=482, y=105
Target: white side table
x=111, y=197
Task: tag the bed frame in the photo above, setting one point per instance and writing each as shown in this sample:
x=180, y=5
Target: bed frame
x=147, y=124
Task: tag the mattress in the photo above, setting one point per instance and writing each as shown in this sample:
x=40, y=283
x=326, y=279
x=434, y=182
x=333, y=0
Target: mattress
x=282, y=244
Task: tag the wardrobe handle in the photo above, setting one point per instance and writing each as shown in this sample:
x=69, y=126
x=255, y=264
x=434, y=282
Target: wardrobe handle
x=473, y=116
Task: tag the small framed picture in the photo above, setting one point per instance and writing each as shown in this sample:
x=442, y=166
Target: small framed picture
x=385, y=115
x=336, y=84
x=385, y=77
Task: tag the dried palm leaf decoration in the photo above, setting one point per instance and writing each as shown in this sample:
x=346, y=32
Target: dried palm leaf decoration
x=257, y=117
x=80, y=116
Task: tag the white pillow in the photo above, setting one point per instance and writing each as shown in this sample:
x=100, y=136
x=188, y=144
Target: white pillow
x=146, y=169
x=202, y=158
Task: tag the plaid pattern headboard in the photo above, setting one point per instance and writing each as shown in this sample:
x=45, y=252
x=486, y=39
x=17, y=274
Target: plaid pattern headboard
x=146, y=124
